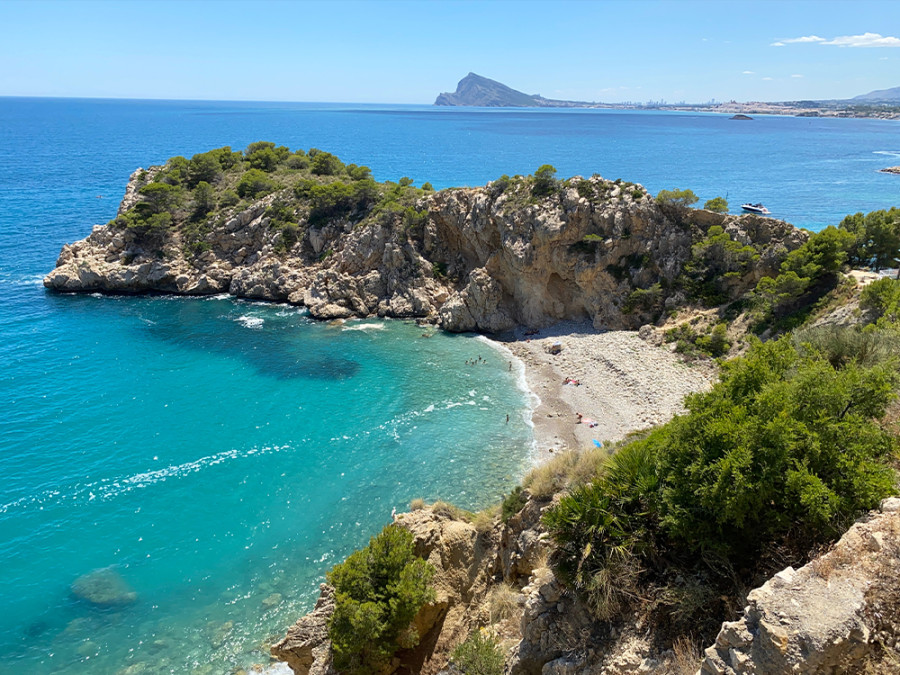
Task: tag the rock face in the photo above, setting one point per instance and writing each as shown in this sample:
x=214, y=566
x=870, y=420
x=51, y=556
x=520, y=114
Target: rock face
x=467, y=564
x=891, y=169
x=828, y=616
x=486, y=259
x=306, y=648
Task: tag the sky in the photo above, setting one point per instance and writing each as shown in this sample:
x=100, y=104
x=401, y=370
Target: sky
x=410, y=51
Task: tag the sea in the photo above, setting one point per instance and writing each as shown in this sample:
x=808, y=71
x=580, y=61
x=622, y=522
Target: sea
x=219, y=456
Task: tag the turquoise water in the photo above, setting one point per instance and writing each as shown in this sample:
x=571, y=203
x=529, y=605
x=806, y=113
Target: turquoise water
x=222, y=455
x=216, y=452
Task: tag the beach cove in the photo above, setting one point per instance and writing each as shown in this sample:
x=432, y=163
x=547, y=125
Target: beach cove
x=94, y=381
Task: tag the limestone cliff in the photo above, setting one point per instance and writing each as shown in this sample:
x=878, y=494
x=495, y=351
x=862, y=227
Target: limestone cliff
x=837, y=614
x=484, y=259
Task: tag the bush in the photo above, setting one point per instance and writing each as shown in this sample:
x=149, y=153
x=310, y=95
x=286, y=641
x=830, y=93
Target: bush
x=336, y=200
x=715, y=260
x=876, y=238
x=716, y=204
x=254, y=183
x=513, y=503
x=378, y=591
x=499, y=186
x=784, y=444
x=325, y=164
x=678, y=198
x=160, y=197
x=544, y=181
x=882, y=297
x=806, y=274
x=479, y=655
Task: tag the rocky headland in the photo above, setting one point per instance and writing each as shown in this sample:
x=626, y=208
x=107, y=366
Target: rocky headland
x=475, y=259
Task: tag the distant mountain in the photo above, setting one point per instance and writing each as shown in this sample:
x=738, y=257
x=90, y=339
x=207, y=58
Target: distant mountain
x=880, y=95
x=475, y=90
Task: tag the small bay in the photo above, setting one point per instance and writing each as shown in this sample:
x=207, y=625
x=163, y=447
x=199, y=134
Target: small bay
x=221, y=455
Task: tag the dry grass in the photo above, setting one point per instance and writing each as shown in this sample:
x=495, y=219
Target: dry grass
x=503, y=602
x=568, y=469
x=542, y=559
x=451, y=511
x=686, y=657
x=485, y=519
x=417, y=504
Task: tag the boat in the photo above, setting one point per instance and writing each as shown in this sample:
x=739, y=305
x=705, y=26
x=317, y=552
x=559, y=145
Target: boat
x=755, y=208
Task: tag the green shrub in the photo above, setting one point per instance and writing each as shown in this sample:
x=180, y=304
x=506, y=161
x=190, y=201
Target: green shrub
x=325, y=164
x=544, y=181
x=882, y=297
x=678, y=198
x=717, y=204
x=715, y=260
x=160, y=197
x=255, y=183
x=337, y=199
x=378, y=591
x=513, y=503
x=876, y=238
x=204, y=197
x=715, y=344
x=644, y=300
x=359, y=172
x=479, y=655
x=229, y=198
x=806, y=275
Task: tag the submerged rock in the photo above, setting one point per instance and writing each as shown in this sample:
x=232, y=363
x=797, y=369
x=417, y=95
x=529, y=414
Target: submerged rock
x=104, y=588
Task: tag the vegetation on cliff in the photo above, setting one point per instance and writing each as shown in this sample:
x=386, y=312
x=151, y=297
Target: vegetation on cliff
x=778, y=458
x=378, y=591
x=191, y=196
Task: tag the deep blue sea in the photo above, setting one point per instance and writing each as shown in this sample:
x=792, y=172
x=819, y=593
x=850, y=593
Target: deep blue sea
x=221, y=455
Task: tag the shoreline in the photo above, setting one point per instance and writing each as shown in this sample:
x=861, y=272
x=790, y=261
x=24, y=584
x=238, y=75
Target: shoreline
x=626, y=384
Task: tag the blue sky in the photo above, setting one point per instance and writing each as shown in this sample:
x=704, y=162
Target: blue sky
x=409, y=51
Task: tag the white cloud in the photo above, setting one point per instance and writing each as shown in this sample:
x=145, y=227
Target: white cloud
x=796, y=76
x=767, y=79
x=748, y=72
x=864, y=40
x=806, y=38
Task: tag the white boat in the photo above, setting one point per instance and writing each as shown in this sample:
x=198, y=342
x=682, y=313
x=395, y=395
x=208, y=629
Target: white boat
x=755, y=208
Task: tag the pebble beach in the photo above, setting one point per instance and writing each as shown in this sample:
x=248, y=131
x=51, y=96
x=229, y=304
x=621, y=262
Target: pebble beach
x=617, y=382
